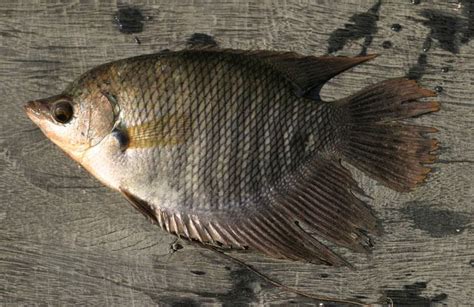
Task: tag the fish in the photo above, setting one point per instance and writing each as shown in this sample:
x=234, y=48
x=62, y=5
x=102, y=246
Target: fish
x=235, y=149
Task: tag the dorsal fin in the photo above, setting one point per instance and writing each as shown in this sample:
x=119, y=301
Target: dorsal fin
x=307, y=73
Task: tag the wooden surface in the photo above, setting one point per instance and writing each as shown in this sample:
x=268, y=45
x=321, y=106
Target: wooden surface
x=65, y=239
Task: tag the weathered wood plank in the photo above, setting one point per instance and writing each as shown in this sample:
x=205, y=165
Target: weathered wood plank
x=65, y=239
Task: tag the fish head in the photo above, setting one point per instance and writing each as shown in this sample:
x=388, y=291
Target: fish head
x=74, y=122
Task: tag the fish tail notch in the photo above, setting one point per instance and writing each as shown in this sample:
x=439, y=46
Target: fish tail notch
x=389, y=151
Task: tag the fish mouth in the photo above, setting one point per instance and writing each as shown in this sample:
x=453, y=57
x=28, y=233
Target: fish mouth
x=36, y=110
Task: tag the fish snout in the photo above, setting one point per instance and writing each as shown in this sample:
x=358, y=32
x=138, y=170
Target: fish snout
x=36, y=109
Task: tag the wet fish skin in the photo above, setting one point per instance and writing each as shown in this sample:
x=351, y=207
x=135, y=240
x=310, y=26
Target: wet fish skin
x=232, y=147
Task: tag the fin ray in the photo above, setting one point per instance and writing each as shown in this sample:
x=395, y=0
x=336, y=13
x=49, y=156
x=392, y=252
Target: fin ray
x=167, y=130
x=389, y=151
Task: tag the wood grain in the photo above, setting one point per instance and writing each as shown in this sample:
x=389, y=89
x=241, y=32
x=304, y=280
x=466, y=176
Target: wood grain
x=65, y=239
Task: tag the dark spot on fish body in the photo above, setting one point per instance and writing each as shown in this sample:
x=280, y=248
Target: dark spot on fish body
x=129, y=20
x=196, y=272
x=438, y=89
x=387, y=44
x=437, y=222
x=396, y=27
x=201, y=40
x=364, y=25
x=324, y=275
x=472, y=263
x=137, y=40
x=415, y=2
x=122, y=138
x=445, y=69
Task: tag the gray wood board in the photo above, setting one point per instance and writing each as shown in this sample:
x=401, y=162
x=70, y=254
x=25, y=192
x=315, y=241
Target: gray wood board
x=65, y=239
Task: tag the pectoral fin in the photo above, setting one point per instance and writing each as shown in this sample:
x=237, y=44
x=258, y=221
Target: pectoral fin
x=167, y=130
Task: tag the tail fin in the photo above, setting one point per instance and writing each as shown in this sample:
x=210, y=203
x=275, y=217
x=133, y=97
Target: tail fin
x=391, y=152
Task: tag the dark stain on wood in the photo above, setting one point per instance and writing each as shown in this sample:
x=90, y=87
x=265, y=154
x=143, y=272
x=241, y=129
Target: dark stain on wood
x=177, y=302
x=468, y=10
x=445, y=28
x=449, y=30
x=129, y=20
x=387, y=44
x=437, y=222
x=201, y=40
x=363, y=25
x=245, y=286
x=411, y=296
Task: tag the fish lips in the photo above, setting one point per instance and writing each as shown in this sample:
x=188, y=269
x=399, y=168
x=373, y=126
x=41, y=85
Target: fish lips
x=37, y=110
x=40, y=109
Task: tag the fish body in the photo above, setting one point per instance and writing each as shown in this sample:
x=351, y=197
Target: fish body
x=236, y=149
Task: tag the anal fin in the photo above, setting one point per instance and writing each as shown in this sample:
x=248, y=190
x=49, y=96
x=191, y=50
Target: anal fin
x=320, y=195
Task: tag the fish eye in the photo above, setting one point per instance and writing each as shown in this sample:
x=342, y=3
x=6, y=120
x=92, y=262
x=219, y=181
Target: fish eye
x=62, y=112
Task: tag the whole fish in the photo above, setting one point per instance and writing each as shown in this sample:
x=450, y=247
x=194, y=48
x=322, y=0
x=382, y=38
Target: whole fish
x=236, y=149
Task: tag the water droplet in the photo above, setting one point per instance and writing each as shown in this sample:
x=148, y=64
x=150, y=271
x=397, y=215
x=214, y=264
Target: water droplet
x=176, y=246
x=415, y=2
x=445, y=69
x=439, y=89
x=457, y=229
x=396, y=27
x=129, y=20
x=137, y=40
x=471, y=262
x=387, y=44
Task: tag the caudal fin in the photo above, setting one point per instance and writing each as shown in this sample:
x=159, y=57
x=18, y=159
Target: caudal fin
x=389, y=151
